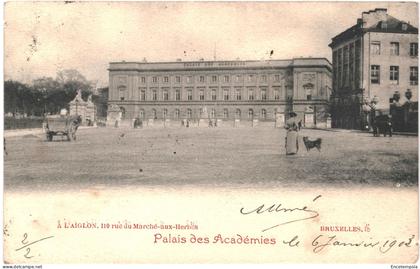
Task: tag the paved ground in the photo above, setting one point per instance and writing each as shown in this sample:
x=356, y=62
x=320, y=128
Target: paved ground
x=244, y=157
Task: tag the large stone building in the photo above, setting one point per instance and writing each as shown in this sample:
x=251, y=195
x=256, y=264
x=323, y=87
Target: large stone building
x=226, y=91
x=373, y=61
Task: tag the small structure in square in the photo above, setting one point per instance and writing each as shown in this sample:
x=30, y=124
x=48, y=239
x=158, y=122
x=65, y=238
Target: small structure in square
x=84, y=109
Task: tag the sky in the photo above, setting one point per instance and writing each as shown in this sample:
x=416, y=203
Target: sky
x=42, y=38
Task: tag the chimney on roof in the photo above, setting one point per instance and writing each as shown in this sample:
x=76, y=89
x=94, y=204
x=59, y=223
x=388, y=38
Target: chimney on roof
x=373, y=17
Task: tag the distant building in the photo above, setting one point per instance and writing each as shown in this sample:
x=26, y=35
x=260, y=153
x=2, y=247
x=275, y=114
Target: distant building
x=227, y=91
x=372, y=61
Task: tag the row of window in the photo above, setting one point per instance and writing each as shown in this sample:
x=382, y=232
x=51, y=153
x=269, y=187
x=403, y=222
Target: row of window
x=375, y=48
x=212, y=114
x=212, y=78
x=201, y=95
x=394, y=74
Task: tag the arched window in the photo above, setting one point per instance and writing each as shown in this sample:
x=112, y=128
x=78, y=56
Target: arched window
x=141, y=114
x=177, y=113
x=189, y=113
x=225, y=113
x=250, y=113
x=263, y=113
x=122, y=109
x=238, y=113
x=154, y=114
x=165, y=113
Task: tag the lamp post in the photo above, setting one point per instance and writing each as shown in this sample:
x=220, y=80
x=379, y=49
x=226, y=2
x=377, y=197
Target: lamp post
x=44, y=95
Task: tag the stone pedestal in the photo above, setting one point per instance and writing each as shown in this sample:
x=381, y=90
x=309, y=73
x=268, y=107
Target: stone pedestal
x=236, y=123
x=254, y=123
x=309, y=120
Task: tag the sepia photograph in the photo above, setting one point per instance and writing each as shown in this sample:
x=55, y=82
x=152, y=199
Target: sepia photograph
x=210, y=132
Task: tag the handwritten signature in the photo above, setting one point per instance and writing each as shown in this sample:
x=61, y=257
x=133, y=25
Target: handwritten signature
x=279, y=208
x=26, y=244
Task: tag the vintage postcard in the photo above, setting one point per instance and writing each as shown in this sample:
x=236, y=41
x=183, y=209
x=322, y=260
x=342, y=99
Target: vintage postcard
x=210, y=132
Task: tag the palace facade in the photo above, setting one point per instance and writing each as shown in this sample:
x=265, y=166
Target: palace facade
x=226, y=91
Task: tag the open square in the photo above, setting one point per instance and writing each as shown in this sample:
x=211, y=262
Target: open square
x=213, y=157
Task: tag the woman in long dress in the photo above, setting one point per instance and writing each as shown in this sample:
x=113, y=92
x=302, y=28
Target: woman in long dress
x=292, y=143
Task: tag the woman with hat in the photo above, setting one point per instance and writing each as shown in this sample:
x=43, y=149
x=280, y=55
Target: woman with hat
x=292, y=144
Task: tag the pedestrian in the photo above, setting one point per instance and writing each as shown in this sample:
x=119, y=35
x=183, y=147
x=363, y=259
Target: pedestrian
x=300, y=124
x=291, y=141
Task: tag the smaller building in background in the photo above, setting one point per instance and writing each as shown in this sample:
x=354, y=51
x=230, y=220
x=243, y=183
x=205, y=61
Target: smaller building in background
x=375, y=68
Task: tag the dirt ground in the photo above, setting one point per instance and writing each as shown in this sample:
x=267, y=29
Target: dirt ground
x=213, y=157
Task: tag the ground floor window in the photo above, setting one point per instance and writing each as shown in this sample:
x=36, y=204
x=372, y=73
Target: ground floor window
x=238, y=113
x=225, y=113
x=250, y=114
x=263, y=114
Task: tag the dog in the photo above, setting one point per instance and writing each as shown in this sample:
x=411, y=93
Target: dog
x=310, y=144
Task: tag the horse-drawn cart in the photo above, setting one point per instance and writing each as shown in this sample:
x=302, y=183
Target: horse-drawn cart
x=63, y=126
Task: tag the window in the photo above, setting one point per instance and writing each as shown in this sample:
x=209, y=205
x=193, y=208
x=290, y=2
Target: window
x=165, y=113
x=238, y=113
x=263, y=94
x=250, y=94
x=276, y=78
x=414, y=75
x=250, y=78
x=165, y=95
x=276, y=95
x=213, y=113
x=201, y=95
x=394, y=73
x=225, y=95
x=154, y=95
x=375, y=73
x=238, y=94
x=213, y=78
x=395, y=48
x=308, y=94
x=141, y=114
x=225, y=113
x=414, y=49
x=177, y=95
x=121, y=92
x=143, y=80
x=213, y=95
x=178, y=79
x=154, y=79
x=143, y=95
x=250, y=114
x=264, y=78
x=375, y=48
x=189, y=79
x=154, y=114
x=263, y=113
x=237, y=78
x=226, y=79
x=165, y=79
x=189, y=95
x=201, y=79
x=189, y=113
x=177, y=113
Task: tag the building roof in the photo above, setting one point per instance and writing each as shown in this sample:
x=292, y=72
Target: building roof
x=208, y=65
x=387, y=25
